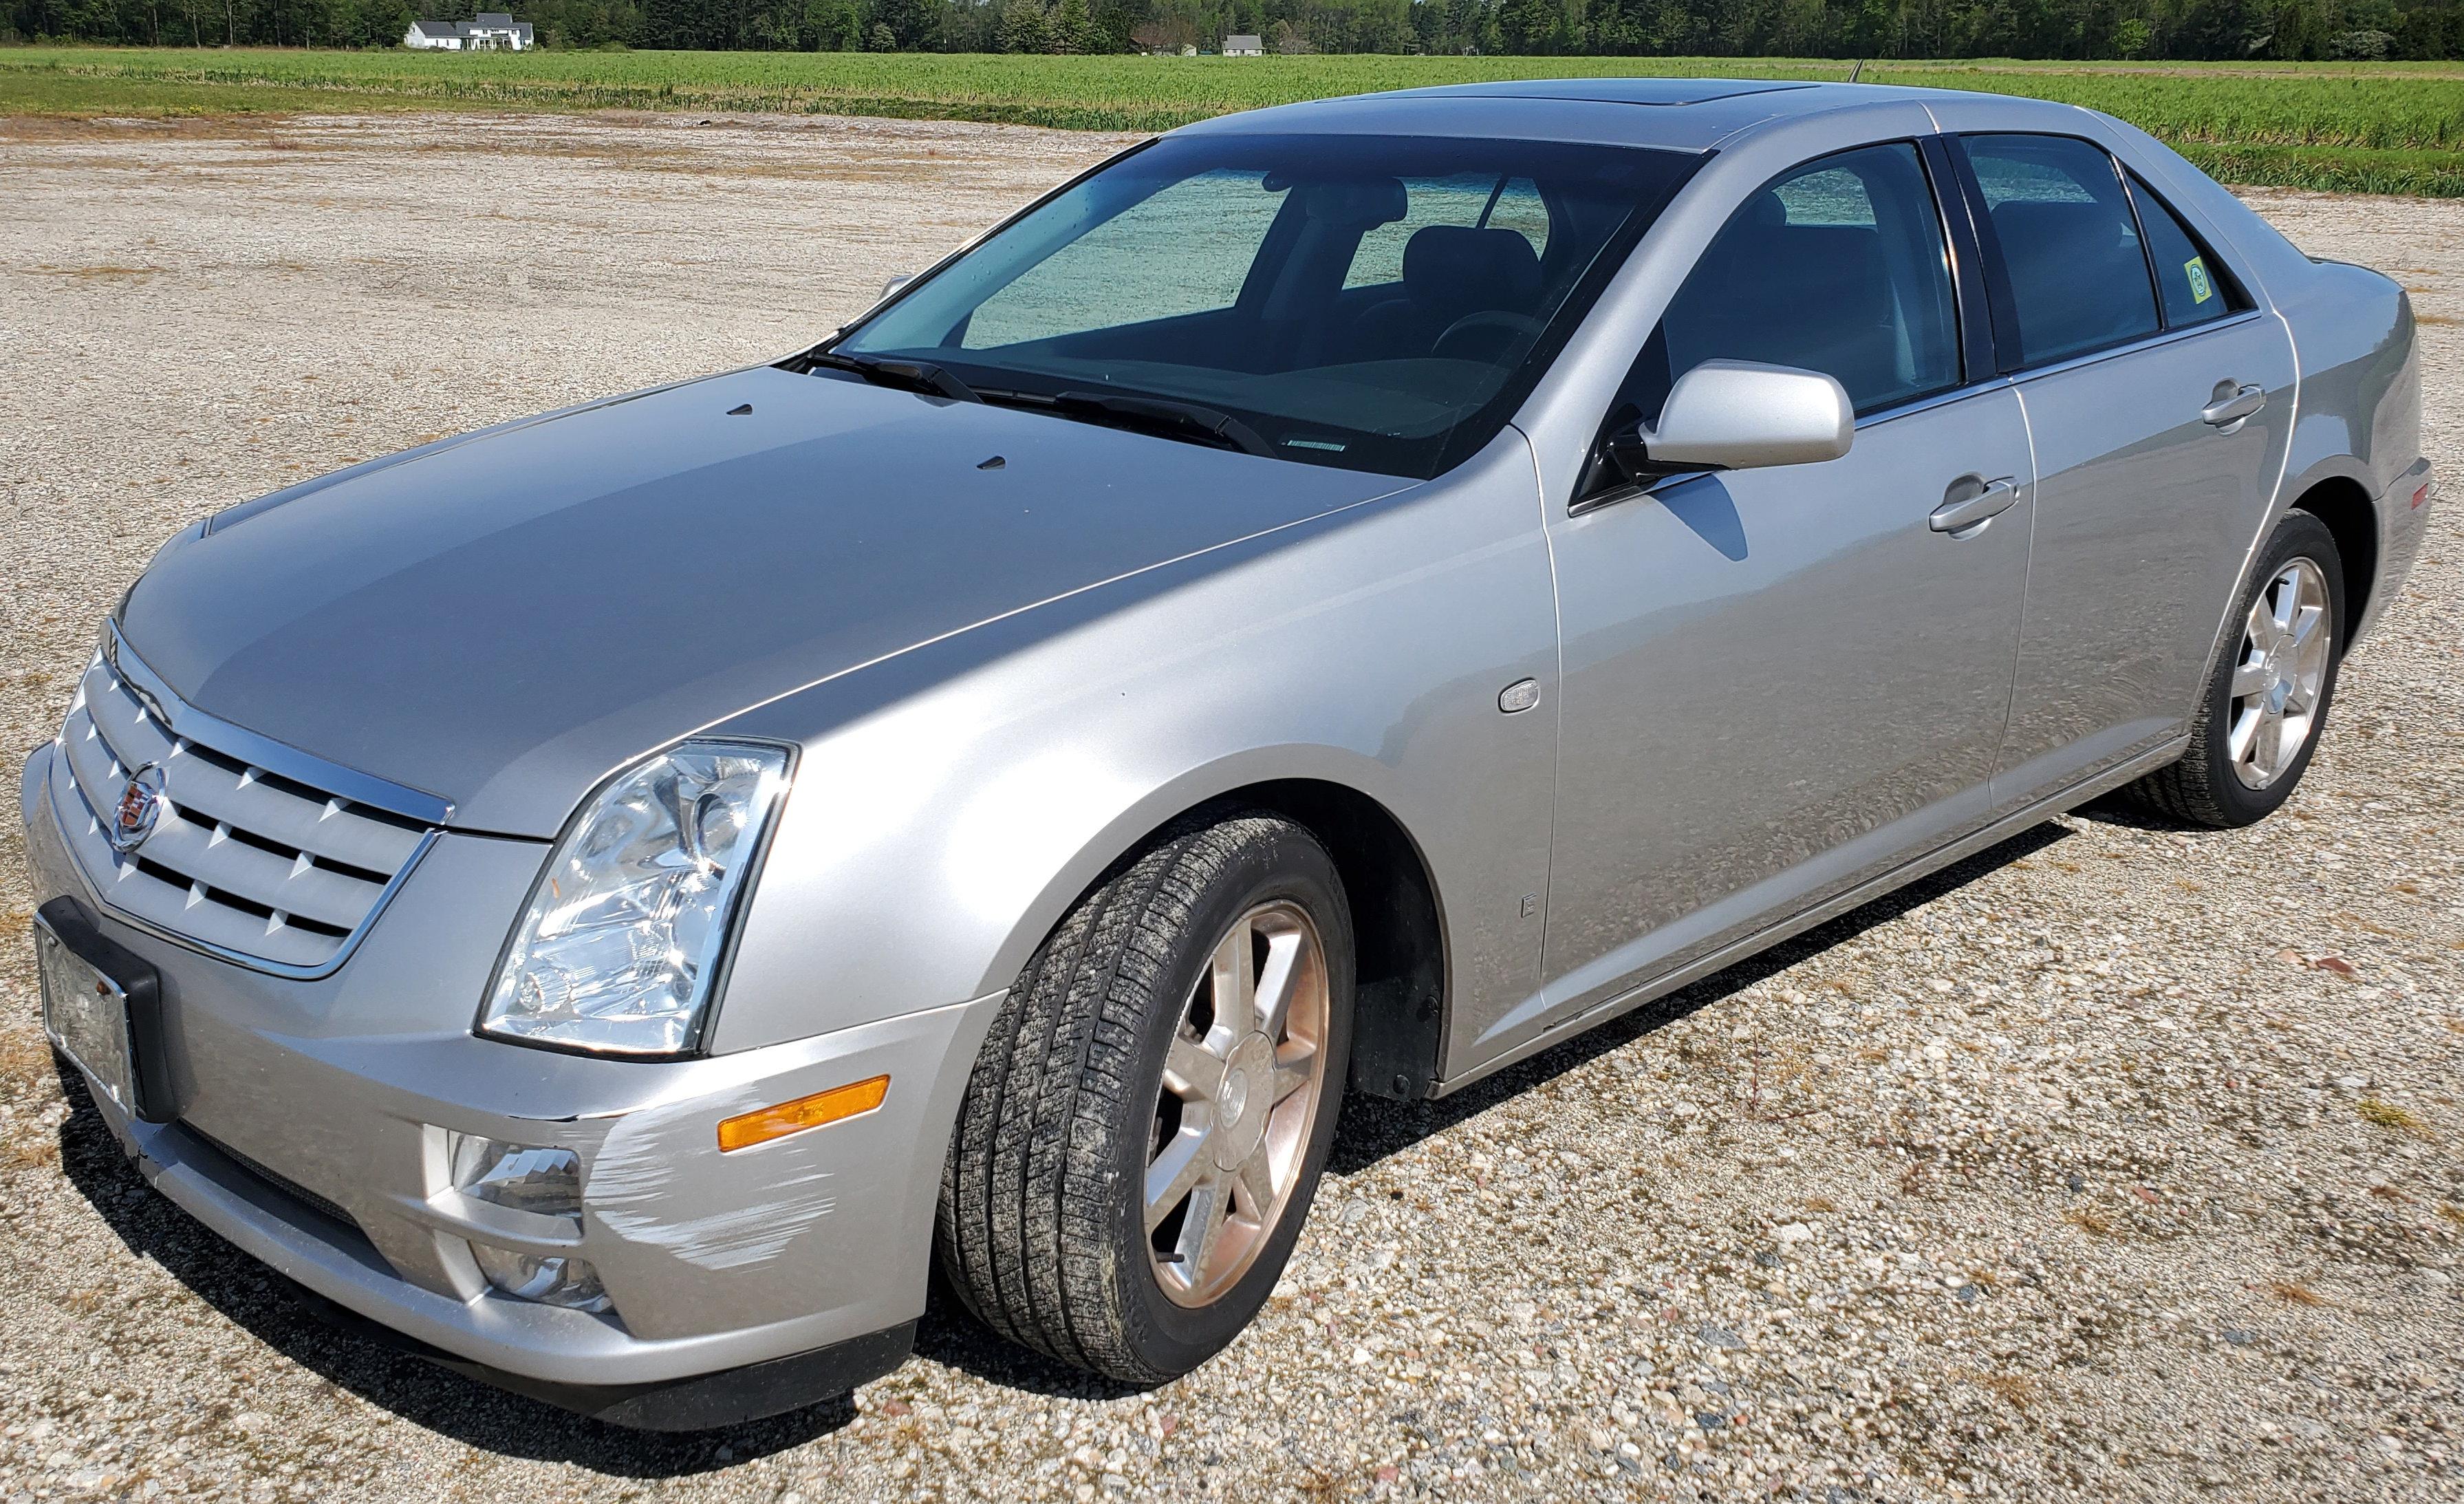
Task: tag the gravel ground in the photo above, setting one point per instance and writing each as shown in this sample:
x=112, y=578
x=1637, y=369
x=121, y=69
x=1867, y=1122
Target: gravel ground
x=2118, y=1164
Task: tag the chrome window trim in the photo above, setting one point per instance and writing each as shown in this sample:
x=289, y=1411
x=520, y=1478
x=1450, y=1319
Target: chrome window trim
x=288, y=970
x=1925, y=403
x=275, y=757
x=2028, y=373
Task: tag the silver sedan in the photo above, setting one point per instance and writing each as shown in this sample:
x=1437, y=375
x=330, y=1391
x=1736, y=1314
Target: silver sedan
x=1339, y=597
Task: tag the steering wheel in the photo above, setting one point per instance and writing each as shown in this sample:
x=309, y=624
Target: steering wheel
x=1490, y=321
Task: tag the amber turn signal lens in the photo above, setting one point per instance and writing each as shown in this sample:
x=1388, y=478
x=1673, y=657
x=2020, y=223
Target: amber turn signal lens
x=819, y=1110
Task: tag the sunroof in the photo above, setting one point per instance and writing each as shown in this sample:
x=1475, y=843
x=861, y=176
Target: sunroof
x=1626, y=91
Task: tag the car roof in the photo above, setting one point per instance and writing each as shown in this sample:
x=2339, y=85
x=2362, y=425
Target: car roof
x=1677, y=113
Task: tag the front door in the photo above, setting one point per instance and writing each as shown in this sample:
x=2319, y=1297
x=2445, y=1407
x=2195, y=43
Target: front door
x=1779, y=682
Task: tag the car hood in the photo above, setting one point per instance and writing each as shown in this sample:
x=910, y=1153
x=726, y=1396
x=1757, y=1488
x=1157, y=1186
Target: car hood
x=503, y=619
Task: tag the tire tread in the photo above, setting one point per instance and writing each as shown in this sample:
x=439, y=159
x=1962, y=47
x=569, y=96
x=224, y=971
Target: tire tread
x=1029, y=1189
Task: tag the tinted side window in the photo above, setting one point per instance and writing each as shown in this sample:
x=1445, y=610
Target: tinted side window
x=2194, y=288
x=1838, y=267
x=2078, y=279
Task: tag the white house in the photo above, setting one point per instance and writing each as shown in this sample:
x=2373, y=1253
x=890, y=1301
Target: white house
x=486, y=32
x=1244, y=46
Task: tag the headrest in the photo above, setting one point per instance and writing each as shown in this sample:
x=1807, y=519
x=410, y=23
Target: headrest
x=1365, y=201
x=1458, y=269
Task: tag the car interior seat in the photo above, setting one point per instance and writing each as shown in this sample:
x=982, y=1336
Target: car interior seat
x=1450, y=271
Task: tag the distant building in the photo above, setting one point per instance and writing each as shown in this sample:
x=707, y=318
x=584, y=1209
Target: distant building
x=484, y=33
x=1244, y=46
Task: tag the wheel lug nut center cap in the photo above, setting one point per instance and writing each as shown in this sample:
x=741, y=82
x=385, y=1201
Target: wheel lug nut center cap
x=1236, y=1095
x=1242, y=1105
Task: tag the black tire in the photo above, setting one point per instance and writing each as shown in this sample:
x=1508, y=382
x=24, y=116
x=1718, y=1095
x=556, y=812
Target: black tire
x=1040, y=1230
x=2203, y=788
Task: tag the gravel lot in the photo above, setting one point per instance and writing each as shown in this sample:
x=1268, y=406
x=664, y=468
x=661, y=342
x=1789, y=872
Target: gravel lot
x=2118, y=1164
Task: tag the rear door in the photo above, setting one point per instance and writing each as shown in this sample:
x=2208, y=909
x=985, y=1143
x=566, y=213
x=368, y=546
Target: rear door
x=2159, y=400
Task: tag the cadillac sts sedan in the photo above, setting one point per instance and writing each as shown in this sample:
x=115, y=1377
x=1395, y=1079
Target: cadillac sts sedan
x=1338, y=597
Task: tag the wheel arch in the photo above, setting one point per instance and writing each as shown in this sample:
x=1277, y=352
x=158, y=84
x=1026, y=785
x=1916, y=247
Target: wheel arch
x=1398, y=913
x=2343, y=504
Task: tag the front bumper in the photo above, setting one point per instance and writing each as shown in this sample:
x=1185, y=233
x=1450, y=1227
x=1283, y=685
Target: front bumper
x=311, y=1129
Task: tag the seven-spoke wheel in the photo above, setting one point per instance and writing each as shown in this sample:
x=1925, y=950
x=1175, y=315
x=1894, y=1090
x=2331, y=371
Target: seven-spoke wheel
x=2281, y=672
x=1238, y=1099
x=1146, y=1122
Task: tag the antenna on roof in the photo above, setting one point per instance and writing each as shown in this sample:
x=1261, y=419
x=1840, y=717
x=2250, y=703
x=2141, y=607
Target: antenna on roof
x=1853, y=72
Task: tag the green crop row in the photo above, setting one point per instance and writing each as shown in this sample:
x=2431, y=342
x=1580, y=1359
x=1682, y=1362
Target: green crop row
x=2395, y=128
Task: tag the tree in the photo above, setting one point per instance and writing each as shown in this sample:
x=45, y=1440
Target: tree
x=1025, y=28
x=1074, y=29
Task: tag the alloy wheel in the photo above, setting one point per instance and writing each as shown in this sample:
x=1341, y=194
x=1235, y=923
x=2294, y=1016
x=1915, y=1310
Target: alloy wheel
x=2281, y=674
x=1242, y=1082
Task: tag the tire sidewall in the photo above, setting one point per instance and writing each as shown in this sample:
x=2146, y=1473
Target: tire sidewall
x=2300, y=535
x=1284, y=864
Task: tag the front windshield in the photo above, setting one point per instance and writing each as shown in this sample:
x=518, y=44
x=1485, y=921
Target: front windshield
x=1372, y=302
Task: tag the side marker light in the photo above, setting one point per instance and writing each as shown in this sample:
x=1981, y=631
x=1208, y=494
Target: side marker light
x=817, y=1111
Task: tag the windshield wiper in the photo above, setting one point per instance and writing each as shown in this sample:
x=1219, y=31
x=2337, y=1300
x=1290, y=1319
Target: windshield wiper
x=907, y=375
x=1167, y=419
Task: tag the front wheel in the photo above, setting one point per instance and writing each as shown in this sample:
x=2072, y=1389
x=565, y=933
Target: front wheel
x=1146, y=1124
x=2266, y=701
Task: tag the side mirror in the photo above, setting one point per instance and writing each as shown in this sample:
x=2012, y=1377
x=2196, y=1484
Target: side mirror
x=896, y=283
x=1739, y=415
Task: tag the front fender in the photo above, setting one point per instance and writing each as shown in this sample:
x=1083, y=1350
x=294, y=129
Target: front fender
x=951, y=802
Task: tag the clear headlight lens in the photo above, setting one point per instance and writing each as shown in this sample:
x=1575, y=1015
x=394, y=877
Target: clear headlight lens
x=618, y=950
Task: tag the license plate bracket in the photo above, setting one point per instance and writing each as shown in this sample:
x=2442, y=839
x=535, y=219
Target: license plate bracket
x=102, y=1010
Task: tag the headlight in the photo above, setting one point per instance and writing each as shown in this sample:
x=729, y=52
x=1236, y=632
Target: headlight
x=629, y=924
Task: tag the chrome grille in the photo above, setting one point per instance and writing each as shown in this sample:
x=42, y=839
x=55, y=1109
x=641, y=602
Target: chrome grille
x=252, y=863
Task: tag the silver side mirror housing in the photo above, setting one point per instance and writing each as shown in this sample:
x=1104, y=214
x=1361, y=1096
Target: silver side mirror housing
x=1739, y=415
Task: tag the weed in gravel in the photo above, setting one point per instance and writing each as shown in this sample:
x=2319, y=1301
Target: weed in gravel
x=25, y=1058
x=2291, y=1293
x=2087, y=1219
x=2017, y=1390
x=2388, y=1115
x=27, y=1154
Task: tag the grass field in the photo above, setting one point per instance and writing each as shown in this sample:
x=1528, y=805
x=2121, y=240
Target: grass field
x=2397, y=128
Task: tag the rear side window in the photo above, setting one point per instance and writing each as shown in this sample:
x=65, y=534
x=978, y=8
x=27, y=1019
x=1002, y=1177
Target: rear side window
x=2194, y=287
x=2070, y=244
x=1838, y=267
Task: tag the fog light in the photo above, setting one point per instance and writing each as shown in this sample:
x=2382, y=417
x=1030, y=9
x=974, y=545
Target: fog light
x=552, y=1280
x=520, y=1176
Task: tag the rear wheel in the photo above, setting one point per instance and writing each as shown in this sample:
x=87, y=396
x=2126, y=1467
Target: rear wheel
x=1146, y=1126
x=2266, y=701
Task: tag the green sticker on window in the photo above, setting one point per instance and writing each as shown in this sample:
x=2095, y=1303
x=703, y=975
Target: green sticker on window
x=2196, y=270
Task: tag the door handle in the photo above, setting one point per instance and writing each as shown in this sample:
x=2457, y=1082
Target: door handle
x=2232, y=405
x=1960, y=514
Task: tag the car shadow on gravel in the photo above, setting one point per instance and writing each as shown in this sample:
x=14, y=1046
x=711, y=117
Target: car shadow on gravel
x=1373, y=1128
x=949, y=1336
x=283, y=1317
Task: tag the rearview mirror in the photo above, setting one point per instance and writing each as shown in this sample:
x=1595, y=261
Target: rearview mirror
x=896, y=283
x=1739, y=415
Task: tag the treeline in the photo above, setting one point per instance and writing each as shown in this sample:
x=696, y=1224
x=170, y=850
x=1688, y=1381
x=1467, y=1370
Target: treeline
x=2278, y=30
